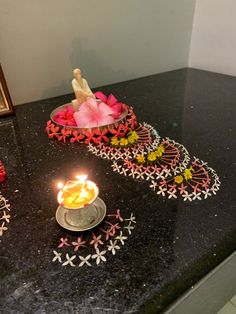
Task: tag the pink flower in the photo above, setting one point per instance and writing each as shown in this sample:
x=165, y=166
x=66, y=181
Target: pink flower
x=96, y=241
x=65, y=116
x=53, y=131
x=117, y=107
x=76, y=137
x=118, y=215
x=101, y=136
x=64, y=242
x=49, y=126
x=92, y=114
x=64, y=134
x=91, y=136
x=78, y=244
x=2, y=172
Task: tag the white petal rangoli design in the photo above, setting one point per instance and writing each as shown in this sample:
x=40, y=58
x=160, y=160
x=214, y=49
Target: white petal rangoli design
x=137, y=151
x=94, y=247
x=164, y=163
x=147, y=138
x=4, y=215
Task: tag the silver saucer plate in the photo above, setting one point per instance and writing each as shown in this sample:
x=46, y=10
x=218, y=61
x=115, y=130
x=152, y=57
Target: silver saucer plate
x=115, y=124
x=101, y=213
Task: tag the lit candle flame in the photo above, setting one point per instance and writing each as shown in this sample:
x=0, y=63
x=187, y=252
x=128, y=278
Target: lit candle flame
x=60, y=185
x=76, y=194
x=82, y=177
x=83, y=193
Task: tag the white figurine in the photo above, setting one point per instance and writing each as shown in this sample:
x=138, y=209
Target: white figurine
x=81, y=89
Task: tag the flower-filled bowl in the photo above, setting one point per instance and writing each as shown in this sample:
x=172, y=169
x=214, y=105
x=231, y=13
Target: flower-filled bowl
x=95, y=120
x=116, y=122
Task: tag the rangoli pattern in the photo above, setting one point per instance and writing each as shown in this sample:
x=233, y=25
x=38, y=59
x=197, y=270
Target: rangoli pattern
x=164, y=163
x=4, y=214
x=196, y=182
x=136, y=150
x=146, y=138
x=94, y=247
x=169, y=157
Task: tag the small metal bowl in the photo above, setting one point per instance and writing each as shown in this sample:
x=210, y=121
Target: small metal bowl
x=121, y=119
x=100, y=215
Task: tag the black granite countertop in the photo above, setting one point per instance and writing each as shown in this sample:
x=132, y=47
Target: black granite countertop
x=174, y=243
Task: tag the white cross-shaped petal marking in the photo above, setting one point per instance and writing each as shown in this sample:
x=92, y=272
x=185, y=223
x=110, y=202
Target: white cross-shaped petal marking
x=131, y=219
x=123, y=171
x=69, y=260
x=172, y=194
x=113, y=247
x=162, y=191
x=2, y=228
x=129, y=228
x=149, y=176
x=139, y=175
x=132, y=173
x=187, y=196
x=206, y=193
x=121, y=238
x=116, y=167
x=57, y=256
x=84, y=260
x=5, y=216
x=99, y=256
x=153, y=185
x=197, y=196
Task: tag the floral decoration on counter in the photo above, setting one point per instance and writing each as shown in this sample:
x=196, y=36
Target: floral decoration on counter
x=2, y=172
x=117, y=107
x=4, y=214
x=135, y=149
x=196, y=182
x=94, y=247
x=121, y=146
x=168, y=157
x=93, y=113
x=90, y=117
x=92, y=135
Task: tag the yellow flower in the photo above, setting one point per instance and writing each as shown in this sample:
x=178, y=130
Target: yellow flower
x=160, y=150
x=114, y=141
x=124, y=142
x=140, y=158
x=152, y=156
x=179, y=179
x=187, y=174
x=134, y=135
x=131, y=140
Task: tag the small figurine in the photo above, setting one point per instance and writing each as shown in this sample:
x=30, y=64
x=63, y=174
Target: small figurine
x=89, y=110
x=81, y=89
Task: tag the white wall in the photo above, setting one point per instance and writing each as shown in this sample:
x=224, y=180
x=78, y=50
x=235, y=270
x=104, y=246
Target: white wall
x=41, y=41
x=213, y=43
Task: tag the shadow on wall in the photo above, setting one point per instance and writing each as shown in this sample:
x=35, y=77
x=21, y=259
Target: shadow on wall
x=94, y=69
x=58, y=90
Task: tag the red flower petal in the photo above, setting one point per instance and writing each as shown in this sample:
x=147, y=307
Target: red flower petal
x=111, y=101
x=101, y=96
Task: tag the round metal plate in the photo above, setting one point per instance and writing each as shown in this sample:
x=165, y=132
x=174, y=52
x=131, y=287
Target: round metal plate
x=101, y=127
x=101, y=213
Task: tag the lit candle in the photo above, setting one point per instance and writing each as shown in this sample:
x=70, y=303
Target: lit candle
x=77, y=194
